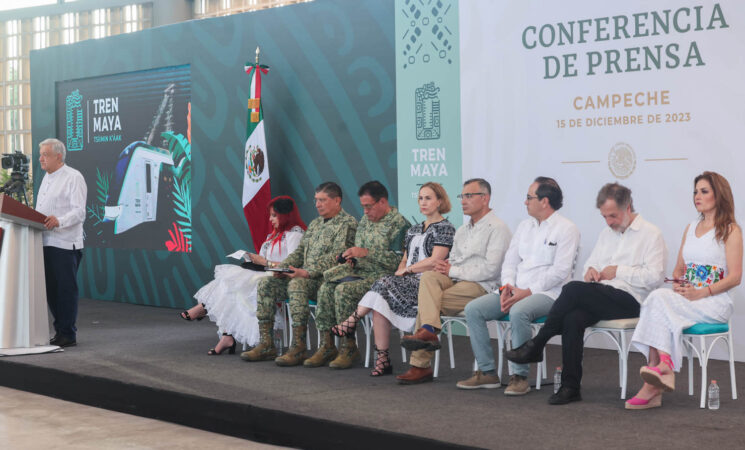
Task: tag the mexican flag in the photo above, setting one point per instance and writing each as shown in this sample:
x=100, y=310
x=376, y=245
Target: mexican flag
x=256, y=188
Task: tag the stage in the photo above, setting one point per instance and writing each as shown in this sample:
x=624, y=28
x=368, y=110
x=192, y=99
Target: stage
x=146, y=361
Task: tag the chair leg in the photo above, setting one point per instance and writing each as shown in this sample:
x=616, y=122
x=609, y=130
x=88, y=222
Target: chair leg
x=450, y=345
x=437, y=364
x=732, y=365
x=689, y=346
x=403, y=350
x=545, y=363
x=625, y=362
x=704, y=363
x=289, y=322
x=367, y=328
x=620, y=360
x=307, y=329
x=288, y=325
x=500, y=349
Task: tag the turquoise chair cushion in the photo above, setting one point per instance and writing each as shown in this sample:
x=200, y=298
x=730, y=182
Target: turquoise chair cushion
x=310, y=302
x=707, y=328
x=506, y=318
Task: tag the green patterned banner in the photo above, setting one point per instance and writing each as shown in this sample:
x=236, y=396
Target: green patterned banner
x=427, y=101
x=329, y=115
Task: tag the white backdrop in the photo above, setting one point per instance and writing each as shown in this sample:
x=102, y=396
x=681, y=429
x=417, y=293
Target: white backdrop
x=510, y=111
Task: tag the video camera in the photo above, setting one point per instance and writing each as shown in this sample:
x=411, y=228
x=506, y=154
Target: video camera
x=16, y=161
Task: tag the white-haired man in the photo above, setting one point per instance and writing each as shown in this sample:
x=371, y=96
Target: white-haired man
x=61, y=198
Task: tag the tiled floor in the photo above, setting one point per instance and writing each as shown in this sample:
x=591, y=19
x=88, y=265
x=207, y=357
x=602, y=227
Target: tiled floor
x=31, y=421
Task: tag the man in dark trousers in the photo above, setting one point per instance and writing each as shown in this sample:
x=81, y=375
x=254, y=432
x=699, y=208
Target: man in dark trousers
x=61, y=198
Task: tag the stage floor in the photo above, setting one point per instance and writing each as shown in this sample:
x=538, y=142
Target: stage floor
x=146, y=361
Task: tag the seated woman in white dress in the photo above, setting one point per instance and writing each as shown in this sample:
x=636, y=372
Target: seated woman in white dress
x=393, y=298
x=230, y=299
x=709, y=264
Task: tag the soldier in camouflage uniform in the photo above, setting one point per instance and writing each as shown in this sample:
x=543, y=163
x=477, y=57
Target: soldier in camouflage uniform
x=326, y=237
x=377, y=252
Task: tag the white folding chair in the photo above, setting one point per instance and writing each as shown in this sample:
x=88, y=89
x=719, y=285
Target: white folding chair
x=716, y=331
x=282, y=310
x=617, y=330
x=503, y=329
x=367, y=326
x=312, y=305
x=447, y=328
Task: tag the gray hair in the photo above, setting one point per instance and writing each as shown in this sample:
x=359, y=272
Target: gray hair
x=483, y=184
x=57, y=146
x=616, y=192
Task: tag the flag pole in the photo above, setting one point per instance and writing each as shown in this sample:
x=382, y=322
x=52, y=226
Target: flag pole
x=256, y=182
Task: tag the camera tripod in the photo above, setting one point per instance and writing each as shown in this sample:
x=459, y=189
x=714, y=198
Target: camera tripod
x=16, y=186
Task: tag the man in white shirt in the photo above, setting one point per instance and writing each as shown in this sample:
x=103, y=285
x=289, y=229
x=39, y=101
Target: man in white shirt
x=61, y=198
x=471, y=271
x=627, y=263
x=537, y=264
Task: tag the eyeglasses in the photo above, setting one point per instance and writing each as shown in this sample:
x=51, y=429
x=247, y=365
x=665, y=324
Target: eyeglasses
x=469, y=196
x=370, y=206
x=530, y=197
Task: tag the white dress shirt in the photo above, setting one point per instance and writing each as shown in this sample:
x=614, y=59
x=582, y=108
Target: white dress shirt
x=478, y=251
x=63, y=194
x=541, y=256
x=639, y=252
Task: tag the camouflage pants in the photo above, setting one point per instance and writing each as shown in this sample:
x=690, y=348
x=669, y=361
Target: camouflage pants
x=337, y=301
x=299, y=291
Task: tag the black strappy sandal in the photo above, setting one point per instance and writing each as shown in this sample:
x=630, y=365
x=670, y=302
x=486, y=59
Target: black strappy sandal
x=383, y=364
x=344, y=328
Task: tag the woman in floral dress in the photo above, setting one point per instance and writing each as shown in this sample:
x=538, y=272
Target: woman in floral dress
x=709, y=264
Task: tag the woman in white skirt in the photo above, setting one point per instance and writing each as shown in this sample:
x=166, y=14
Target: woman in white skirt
x=394, y=298
x=709, y=264
x=230, y=299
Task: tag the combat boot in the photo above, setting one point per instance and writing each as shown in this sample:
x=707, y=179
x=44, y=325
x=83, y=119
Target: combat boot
x=296, y=353
x=348, y=355
x=265, y=351
x=326, y=352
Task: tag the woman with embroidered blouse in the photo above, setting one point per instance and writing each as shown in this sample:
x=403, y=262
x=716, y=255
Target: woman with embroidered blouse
x=709, y=264
x=230, y=299
x=393, y=299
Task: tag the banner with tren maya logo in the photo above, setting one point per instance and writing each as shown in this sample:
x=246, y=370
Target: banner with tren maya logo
x=428, y=101
x=129, y=135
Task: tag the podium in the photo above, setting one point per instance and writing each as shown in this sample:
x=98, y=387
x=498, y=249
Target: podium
x=24, y=321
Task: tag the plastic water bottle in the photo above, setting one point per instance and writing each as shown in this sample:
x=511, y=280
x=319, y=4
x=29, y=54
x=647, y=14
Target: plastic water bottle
x=557, y=379
x=713, y=395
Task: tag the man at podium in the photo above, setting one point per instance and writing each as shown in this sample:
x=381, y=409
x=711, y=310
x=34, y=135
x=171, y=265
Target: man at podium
x=61, y=198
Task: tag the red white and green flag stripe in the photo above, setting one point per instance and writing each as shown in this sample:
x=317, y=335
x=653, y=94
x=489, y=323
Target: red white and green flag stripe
x=256, y=188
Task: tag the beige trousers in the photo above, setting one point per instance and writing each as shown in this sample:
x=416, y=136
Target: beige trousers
x=440, y=294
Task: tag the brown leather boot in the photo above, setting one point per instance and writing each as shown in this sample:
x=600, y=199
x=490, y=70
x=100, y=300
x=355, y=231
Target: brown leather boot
x=326, y=352
x=348, y=355
x=296, y=353
x=265, y=351
x=415, y=375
